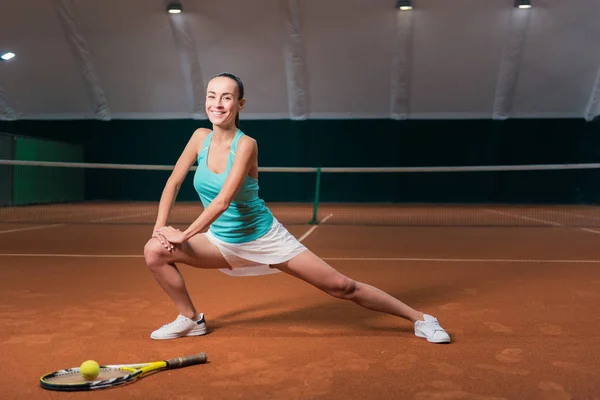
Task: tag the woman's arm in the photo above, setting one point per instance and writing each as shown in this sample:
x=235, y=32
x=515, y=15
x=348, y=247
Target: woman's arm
x=171, y=189
x=245, y=156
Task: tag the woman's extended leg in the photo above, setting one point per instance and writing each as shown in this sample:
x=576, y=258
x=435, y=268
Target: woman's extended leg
x=310, y=268
x=196, y=252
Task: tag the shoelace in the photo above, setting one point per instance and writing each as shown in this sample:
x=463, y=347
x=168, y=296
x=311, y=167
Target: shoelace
x=177, y=321
x=435, y=325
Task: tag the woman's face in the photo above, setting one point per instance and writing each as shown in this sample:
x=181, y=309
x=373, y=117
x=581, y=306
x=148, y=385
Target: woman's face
x=222, y=103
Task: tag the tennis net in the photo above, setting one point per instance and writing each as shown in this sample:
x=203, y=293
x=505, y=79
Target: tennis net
x=563, y=195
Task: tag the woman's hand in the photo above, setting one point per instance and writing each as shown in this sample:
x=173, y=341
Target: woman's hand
x=161, y=238
x=169, y=236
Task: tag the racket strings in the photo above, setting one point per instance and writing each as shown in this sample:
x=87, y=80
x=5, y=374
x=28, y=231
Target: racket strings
x=74, y=377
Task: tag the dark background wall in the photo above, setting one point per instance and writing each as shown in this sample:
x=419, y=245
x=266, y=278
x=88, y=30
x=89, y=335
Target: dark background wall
x=340, y=143
x=351, y=143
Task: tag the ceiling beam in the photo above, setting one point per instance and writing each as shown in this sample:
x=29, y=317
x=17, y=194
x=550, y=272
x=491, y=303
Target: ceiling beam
x=83, y=58
x=510, y=65
x=401, y=66
x=7, y=113
x=295, y=62
x=593, y=107
x=190, y=66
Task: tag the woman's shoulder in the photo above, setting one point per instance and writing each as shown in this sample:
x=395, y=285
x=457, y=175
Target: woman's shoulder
x=198, y=138
x=200, y=135
x=201, y=132
x=247, y=142
x=245, y=137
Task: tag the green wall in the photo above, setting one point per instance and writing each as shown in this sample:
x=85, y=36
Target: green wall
x=350, y=143
x=24, y=184
x=6, y=171
x=38, y=185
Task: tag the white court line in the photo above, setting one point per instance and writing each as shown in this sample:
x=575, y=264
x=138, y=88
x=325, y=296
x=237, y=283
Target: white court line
x=311, y=230
x=31, y=228
x=524, y=217
x=120, y=218
x=590, y=230
x=377, y=259
x=572, y=214
x=495, y=260
x=303, y=237
x=580, y=216
x=538, y=220
x=53, y=213
x=72, y=255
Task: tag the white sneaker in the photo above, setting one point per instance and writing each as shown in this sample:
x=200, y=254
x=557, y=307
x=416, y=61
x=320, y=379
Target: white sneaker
x=181, y=327
x=431, y=330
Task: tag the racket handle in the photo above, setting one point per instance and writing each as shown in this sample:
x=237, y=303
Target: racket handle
x=180, y=362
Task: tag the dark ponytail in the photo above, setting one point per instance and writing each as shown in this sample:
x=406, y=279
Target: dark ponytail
x=240, y=86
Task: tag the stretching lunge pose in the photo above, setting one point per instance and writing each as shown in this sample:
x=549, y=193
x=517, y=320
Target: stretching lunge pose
x=242, y=232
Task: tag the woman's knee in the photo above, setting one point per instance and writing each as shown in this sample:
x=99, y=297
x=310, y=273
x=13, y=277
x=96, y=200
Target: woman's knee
x=343, y=288
x=155, y=253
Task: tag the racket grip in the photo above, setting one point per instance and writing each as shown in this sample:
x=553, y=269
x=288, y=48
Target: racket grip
x=180, y=362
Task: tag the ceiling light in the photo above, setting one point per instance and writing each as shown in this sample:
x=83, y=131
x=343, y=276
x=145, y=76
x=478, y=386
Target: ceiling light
x=174, y=7
x=523, y=3
x=404, y=5
x=7, y=56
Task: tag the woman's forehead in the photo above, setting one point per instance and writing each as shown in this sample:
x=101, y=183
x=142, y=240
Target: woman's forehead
x=222, y=84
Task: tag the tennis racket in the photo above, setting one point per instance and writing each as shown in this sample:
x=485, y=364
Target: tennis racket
x=113, y=375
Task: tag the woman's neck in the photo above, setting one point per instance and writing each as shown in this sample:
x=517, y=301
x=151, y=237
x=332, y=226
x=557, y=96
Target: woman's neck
x=223, y=134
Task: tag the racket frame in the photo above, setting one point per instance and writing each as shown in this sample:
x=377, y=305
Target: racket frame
x=135, y=371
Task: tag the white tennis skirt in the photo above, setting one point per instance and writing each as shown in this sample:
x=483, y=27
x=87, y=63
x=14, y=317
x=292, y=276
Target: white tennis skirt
x=255, y=257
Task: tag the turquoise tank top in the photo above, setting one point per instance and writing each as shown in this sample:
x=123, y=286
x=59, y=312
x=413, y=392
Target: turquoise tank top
x=247, y=218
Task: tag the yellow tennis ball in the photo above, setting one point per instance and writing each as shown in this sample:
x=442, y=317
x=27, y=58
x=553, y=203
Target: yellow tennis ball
x=89, y=370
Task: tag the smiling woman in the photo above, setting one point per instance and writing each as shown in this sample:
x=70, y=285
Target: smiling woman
x=242, y=232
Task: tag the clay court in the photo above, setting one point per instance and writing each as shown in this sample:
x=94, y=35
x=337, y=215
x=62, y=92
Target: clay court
x=445, y=152
x=519, y=302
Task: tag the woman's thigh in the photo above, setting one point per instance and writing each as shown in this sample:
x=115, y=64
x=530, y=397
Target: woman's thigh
x=312, y=269
x=197, y=252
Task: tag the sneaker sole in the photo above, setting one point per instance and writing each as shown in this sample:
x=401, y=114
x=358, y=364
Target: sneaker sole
x=421, y=335
x=199, y=331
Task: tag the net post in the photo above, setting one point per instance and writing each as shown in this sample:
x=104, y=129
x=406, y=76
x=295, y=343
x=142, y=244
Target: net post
x=316, y=201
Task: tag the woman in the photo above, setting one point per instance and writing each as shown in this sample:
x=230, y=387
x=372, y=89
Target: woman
x=243, y=233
